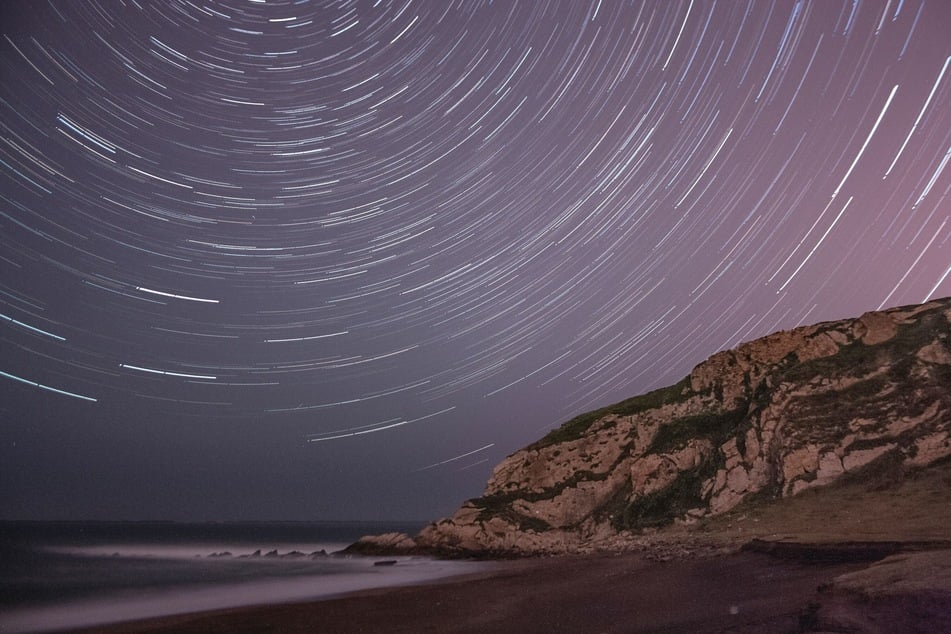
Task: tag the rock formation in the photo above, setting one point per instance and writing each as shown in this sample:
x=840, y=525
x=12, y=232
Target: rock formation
x=385, y=544
x=773, y=417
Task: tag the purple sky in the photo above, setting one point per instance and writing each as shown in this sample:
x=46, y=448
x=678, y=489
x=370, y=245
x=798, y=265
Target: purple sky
x=295, y=260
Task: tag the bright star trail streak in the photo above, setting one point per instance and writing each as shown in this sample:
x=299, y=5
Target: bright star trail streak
x=262, y=260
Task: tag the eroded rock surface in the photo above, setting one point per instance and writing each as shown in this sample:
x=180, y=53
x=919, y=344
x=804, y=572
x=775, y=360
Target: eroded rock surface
x=771, y=418
x=385, y=544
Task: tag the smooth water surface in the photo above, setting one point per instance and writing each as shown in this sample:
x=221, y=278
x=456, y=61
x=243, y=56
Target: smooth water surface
x=65, y=575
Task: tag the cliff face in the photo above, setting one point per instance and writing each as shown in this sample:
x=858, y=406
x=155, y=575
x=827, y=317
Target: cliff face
x=771, y=418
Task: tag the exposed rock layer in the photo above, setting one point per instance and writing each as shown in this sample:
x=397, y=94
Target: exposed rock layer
x=769, y=419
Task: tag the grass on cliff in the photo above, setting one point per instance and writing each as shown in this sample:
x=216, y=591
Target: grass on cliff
x=884, y=384
x=882, y=502
x=577, y=426
x=717, y=427
x=834, y=408
x=499, y=504
x=661, y=507
x=684, y=493
x=858, y=358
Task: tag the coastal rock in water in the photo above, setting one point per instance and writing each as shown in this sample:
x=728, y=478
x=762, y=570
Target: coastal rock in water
x=771, y=418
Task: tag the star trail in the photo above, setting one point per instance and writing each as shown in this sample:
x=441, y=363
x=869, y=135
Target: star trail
x=333, y=260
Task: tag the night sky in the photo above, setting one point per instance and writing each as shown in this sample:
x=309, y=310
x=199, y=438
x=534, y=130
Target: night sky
x=335, y=260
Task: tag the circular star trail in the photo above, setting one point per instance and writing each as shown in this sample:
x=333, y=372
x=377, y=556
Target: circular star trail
x=335, y=259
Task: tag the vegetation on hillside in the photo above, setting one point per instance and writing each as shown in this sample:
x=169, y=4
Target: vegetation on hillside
x=860, y=381
x=577, y=426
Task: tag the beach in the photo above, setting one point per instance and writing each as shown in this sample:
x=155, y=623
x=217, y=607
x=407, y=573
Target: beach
x=826, y=556
x=61, y=576
x=610, y=593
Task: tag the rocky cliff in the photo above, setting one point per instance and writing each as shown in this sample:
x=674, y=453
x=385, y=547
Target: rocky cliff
x=773, y=417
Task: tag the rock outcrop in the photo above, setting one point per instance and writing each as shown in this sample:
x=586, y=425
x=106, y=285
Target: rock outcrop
x=385, y=544
x=908, y=592
x=769, y=419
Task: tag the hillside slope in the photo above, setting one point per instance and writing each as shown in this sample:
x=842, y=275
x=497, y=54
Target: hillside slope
x=767, y=420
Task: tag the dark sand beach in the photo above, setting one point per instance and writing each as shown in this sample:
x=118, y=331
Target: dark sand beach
x=740, y=592
x=695, y=590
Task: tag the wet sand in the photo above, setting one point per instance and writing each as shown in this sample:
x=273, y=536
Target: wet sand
x=740, y=592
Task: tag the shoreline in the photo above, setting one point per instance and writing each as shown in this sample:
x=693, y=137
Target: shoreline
x=606, y=592
x=795, y=588
x=117, y=607
x=246, y=617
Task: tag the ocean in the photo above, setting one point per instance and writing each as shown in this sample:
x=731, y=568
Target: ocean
x=62, y=575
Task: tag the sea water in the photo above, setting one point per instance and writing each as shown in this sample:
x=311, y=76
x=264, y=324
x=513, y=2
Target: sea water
x=61, y=575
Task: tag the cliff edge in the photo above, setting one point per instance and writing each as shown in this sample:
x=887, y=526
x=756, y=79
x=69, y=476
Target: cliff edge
x=767, y=420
